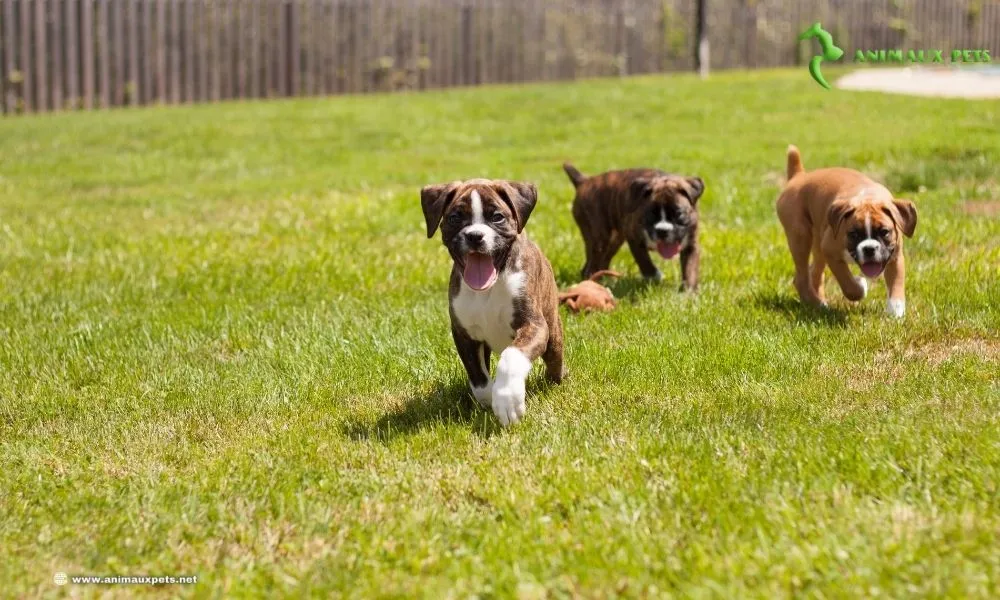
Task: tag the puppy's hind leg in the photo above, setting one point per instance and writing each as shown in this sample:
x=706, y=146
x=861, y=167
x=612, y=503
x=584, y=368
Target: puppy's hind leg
x=816, y=270
x=799, y=245
x=553, y=355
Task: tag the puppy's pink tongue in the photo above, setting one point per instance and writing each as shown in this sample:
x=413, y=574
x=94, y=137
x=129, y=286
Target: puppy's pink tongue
x=666, y=250
x=871, y=269
x=479, y=271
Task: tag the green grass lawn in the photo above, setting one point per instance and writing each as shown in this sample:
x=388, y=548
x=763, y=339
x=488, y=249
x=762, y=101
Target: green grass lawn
x=225, y=352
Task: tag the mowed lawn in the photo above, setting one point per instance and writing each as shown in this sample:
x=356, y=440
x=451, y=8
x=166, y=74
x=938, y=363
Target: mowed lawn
x=225, y=352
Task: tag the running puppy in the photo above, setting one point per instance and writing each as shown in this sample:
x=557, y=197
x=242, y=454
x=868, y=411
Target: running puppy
x=842, y=216
x=502, y=296
x=649, y=209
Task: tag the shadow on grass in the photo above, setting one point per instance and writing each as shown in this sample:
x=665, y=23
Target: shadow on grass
x=794, y=310
x=447, y=403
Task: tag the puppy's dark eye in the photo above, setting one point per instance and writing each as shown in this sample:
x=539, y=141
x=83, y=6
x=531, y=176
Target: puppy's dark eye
x=496, y=217
x=881, y=232
x=454, y=219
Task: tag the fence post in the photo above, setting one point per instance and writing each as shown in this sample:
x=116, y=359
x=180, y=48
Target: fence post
x=701, y=35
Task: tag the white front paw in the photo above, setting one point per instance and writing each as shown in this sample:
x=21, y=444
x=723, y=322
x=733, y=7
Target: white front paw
x=484, y=395
x=864, y=285
x=896, y=307
x=508, y=389
x=658, y=276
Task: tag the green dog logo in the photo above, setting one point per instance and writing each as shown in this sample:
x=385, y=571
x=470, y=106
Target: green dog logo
x=830, y=51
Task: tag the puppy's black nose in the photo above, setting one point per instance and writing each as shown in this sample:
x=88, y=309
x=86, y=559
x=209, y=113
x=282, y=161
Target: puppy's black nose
x=474, y=237
x=868, y=252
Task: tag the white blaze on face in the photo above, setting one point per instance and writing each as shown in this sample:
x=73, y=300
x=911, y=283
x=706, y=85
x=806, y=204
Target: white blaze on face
x=663, y=224
x=479, y=223
x=868, y=242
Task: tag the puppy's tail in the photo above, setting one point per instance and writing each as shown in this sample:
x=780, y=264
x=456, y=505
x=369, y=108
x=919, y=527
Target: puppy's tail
x=794, y=162
x=598, y=274
x=574, y=175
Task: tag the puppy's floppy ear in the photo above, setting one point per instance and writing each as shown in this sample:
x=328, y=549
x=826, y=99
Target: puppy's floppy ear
x=434, y=199
x=697, y=188
x=906, y=217
x=520, y=197
x=839, y=211
x=640, y=191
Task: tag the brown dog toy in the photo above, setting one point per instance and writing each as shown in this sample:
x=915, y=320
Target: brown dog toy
x=589, y=295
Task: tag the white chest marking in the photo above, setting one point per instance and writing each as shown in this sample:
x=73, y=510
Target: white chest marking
x=488, y=316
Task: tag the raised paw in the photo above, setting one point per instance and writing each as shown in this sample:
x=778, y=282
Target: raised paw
x=896, y=307
x=508, y=389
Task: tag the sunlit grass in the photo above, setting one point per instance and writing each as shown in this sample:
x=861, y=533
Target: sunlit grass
x=224, y=351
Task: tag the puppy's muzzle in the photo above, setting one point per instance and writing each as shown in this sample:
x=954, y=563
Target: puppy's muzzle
x=664, y=230
x=474, y=238
x=870, y=250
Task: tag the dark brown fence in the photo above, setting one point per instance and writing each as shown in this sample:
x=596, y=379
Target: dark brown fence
x=69, y=54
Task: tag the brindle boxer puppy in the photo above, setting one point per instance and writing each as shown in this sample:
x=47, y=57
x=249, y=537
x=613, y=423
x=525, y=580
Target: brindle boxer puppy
x=502, y=295
x=649, y=209
x=840, y=215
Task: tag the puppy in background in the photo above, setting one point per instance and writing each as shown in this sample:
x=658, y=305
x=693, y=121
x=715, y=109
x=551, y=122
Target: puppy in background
x=503, y=294
x=648, y=209
x=841, y=216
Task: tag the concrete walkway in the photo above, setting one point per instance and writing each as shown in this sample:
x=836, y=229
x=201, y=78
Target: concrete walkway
x=921, y=81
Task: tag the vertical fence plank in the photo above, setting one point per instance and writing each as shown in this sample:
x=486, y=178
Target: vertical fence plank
x=147, y=50
x=294, y=51
x=238, y=27
x=131, y=64
x=266, y=52
x=41, y=54
x=27, y=77
x=214, y=45
x=174, y=46
x=160, y=37
x=280, y=48
x=58, y=52
x=87, y=52
x=201, y=51
x=189, y=44
x=223, y=60
x=104, y=51
x=118, y=53
x=255, y=42
x=10, y=62
x=308, y=60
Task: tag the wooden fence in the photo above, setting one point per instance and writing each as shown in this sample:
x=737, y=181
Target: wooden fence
x=70, y=54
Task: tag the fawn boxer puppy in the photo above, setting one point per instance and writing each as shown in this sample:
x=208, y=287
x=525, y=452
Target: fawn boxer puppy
x=649, y=209
x=842, y=216
x=502, y=295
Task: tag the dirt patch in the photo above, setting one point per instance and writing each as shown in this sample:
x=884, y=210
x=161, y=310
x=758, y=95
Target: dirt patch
x=935, y=353
x=888, y=366
x=982, y=209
